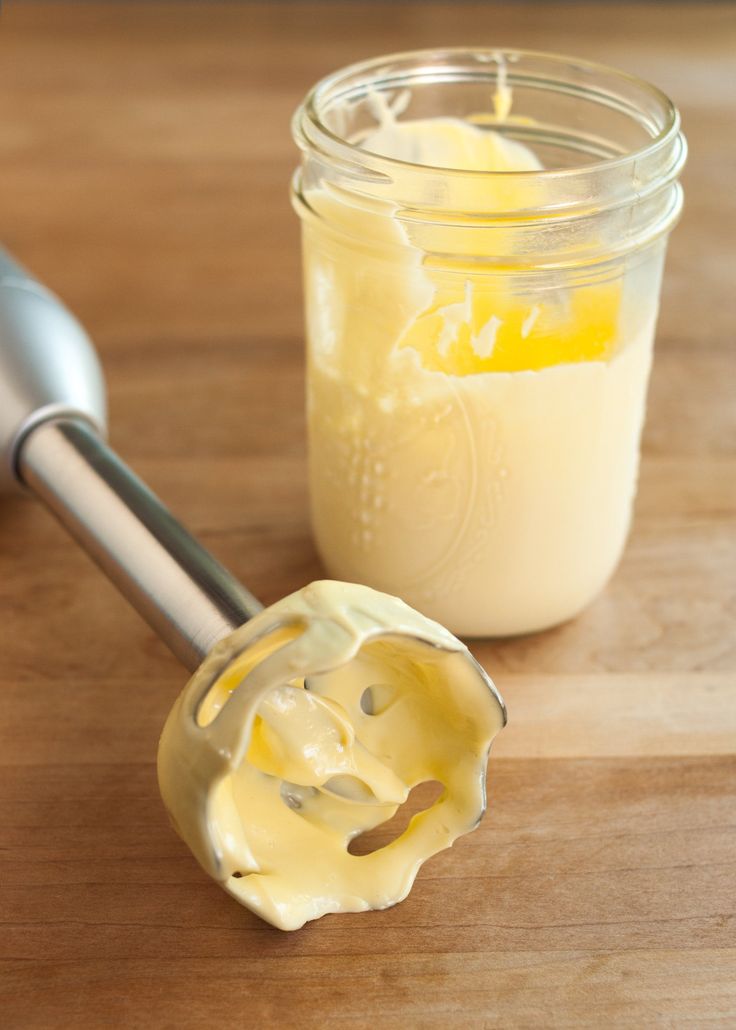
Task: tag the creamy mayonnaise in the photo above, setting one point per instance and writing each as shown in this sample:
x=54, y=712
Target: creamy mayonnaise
x=498, y=502
x=309, y=726
x=473, y=441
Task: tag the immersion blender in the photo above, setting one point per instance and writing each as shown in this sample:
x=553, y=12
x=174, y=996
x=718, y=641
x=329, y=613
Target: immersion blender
x=52, y=429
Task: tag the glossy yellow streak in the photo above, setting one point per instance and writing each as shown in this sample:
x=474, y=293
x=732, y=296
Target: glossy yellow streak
x=501, y=331
x=236, y=670
x=578, y=325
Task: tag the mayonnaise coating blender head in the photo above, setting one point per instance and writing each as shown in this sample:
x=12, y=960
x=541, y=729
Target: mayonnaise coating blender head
x=309, y=726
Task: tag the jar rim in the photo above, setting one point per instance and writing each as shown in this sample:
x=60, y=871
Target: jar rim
x=309, y=110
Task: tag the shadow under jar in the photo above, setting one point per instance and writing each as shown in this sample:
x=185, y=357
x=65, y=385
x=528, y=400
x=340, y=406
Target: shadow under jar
x=483, y=240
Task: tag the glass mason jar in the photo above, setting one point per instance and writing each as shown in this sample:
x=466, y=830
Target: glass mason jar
x=479, y=343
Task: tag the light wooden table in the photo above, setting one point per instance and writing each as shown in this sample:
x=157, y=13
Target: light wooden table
x=144, y=162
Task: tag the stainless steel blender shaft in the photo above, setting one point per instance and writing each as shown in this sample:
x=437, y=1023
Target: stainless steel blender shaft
x=188, y=598
x=52, y=413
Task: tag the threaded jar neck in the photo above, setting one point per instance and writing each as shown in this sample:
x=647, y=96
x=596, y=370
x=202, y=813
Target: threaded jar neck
x=609, y=144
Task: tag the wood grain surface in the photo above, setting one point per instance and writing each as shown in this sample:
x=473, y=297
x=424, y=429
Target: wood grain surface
x=144, y=164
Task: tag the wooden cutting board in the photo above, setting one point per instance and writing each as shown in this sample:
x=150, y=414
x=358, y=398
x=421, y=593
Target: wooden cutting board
x=144, y=162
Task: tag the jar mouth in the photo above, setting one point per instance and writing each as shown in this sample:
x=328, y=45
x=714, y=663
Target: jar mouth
x=608, y=146
x=600, y=84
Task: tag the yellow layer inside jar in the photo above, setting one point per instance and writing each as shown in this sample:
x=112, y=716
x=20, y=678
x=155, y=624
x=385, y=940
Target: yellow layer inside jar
x=470, y=328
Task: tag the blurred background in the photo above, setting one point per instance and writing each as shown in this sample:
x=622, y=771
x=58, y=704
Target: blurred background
x=170, y=121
